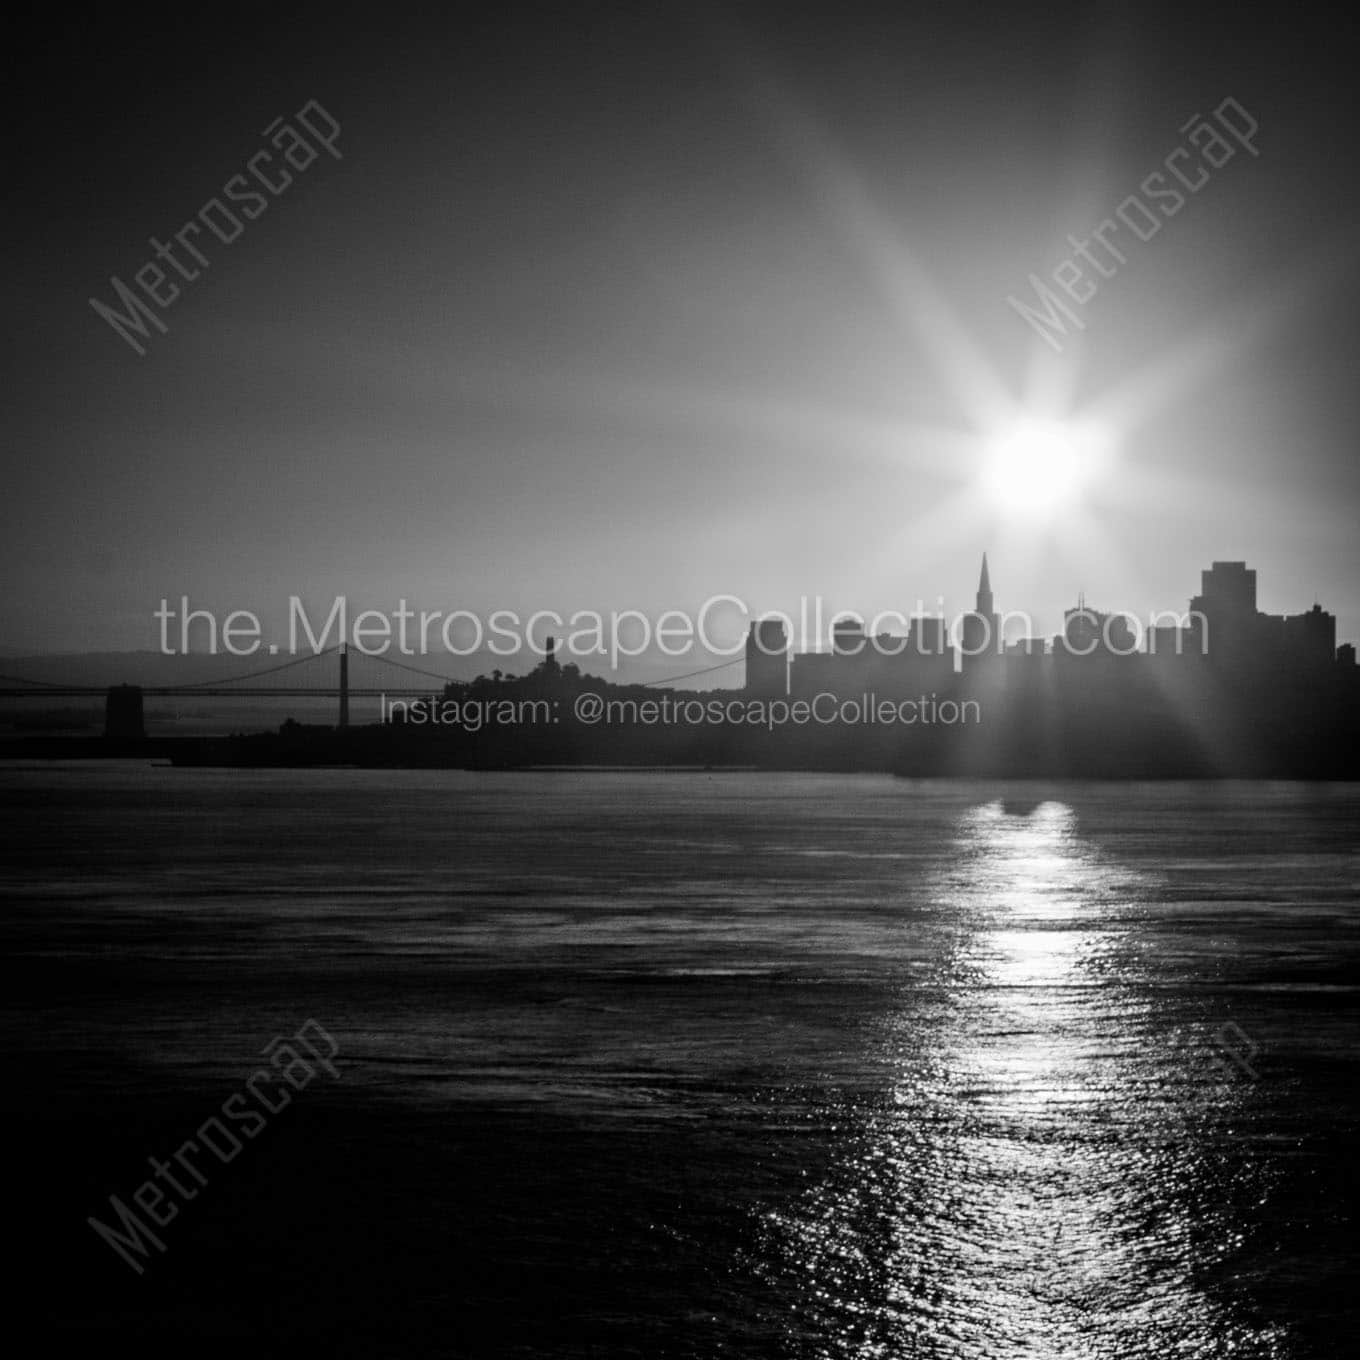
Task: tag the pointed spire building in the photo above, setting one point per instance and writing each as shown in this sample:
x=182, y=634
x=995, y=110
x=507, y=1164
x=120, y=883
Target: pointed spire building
x=981, y=628
x=984, y=592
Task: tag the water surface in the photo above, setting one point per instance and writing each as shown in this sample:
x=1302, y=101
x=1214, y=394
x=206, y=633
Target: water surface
x=696, y=1064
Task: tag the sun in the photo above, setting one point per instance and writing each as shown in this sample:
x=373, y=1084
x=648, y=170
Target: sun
x=1035, y=468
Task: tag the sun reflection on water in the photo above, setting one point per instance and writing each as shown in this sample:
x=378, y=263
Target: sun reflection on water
x=1016, y=1192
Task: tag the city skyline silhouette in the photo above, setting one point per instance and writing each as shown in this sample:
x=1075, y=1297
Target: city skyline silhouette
x=680, y=680
x=1222, y=689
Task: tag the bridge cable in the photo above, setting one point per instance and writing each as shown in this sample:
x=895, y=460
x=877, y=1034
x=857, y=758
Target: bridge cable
x=672, y=679
x=415, y=670
x=47, y=684
x=255, y=675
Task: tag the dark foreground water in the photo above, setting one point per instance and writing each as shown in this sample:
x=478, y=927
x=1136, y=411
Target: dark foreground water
x=687, y=1064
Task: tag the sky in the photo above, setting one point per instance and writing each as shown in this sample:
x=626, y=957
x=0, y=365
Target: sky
x=631, y=306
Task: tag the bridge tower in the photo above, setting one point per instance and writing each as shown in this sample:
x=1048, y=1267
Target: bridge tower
x=123, y=714
x=344, y=684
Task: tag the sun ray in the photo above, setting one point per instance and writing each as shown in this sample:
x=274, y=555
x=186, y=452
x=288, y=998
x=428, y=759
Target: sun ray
x=1226, y=339
x=881, y=248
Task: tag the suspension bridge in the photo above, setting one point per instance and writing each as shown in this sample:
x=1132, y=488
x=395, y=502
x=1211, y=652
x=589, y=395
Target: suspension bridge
x=337, y=672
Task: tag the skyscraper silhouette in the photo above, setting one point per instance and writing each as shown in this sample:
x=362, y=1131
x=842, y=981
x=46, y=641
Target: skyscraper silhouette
x=984, y=591
x=981, y=634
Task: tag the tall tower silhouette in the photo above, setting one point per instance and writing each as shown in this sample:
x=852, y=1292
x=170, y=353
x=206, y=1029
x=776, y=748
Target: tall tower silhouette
x=984, y=592
x=981, y=628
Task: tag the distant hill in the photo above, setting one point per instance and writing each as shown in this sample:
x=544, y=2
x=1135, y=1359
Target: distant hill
x=152, y=668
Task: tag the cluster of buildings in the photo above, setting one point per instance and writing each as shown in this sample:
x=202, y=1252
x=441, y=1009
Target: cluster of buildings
x=1223, y=632
x=1222, y=690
